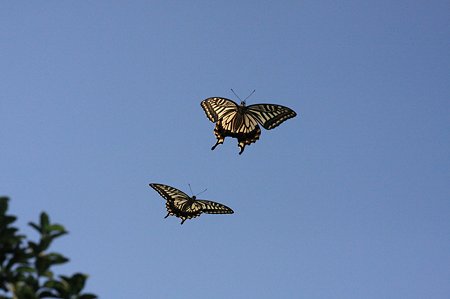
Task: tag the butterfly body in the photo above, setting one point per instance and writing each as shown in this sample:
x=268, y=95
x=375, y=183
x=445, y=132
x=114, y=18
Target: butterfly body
x=241, y=121
x=181, y=205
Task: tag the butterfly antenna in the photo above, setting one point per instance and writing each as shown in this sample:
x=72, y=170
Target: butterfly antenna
x=197, y=193
x=250, y=95
x=201, y=192
x=236, y=95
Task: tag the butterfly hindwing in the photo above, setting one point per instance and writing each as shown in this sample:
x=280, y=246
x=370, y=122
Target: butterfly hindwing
x=183, y=206
x=212, y=207
x=245, y=135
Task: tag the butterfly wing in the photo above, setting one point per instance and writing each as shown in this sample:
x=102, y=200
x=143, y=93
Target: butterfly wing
x=217, y=108
x=178, y=203
x=171, y=194
x=212, y=207
x=270, y=115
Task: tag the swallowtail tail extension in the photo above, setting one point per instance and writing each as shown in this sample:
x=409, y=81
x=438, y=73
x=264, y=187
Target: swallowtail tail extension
x=241, y=121
x=183, y=206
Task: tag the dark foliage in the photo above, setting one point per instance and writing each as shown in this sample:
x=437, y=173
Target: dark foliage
x=25, y=266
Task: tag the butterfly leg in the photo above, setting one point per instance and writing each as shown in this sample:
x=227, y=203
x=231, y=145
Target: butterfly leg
x=242, y=147
x=184, y=219
x=218, y=131
x=219, y=141
x=168, y=214
x=248, y=138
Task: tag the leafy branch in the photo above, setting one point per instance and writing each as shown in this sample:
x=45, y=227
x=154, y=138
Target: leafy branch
x=25, y=266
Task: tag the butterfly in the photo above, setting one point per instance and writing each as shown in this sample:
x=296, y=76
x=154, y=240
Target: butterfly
x=241, y=121
x=183, y=206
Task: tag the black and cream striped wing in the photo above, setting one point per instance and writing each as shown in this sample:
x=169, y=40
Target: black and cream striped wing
x=211, y=207
x=171, y=194
x=270, y=115
x=239, y=123
x=178, y=203
x=217, y=108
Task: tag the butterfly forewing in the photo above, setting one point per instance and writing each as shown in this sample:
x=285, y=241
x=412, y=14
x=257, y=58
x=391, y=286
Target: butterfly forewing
x=171, y=194
x=217, y=108
x=270, y=115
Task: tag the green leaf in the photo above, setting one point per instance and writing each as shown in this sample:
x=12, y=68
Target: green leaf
x=25, y=269
x=17, y=257
x=34, y=247
x=47, y=294
x=48, y=274
x=77, y=282
x=32, y=282
x=5, y=220
x=24, y=291
x=60, y=287
x=35, y=226
x=56, y=228
x=54, y=284
x=45, y=222
x=42, y=264
x=57, y=235
x=9, y=233
x=3, y=204
x=56, y=258
x=44, y=243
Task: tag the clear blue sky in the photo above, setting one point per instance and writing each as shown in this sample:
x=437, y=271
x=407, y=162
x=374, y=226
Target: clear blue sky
x=350, y=199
